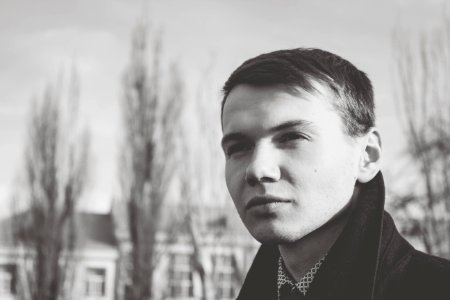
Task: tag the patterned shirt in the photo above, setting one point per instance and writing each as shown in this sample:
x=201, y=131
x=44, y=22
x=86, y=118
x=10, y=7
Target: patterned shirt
x=302, y=286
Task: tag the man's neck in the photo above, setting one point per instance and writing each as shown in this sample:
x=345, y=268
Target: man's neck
x=299, y=257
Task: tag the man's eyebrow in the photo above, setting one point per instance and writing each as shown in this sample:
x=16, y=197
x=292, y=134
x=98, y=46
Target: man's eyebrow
x=285, y=125
x=290, y=124
x=232, y=136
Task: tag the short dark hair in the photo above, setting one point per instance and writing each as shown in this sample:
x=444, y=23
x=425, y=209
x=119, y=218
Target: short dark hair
x=301, y=68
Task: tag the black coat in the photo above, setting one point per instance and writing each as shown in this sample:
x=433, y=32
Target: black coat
x=369, y=261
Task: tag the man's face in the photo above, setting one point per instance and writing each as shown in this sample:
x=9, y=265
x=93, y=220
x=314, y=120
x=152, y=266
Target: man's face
x=289, y=165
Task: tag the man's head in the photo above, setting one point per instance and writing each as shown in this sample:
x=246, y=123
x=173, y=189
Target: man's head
x=298, y=134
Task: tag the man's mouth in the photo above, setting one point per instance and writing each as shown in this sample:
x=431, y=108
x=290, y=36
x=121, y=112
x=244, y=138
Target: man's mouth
x=264, y=200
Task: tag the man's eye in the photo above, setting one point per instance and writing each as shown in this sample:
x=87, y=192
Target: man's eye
x=291, y=136
x=237, y=148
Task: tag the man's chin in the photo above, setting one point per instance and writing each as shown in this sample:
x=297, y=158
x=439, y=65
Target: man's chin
x=272, y=236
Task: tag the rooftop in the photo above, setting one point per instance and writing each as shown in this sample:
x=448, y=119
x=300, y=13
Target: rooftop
x=92, y=230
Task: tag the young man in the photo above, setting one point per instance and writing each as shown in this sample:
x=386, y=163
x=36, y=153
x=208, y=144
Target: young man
x=302, y=166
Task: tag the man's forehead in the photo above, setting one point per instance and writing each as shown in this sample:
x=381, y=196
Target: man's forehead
x=316, y=88
x=245, y=98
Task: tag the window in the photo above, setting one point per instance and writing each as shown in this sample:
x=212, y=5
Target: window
x=224, y=272
x=95, y=282
x=180, y=276
x=7, y=279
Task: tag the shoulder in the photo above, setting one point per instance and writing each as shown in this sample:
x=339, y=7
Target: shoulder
x=428, y=270
x=406, y=273
x=429, y=263
x=419, y=276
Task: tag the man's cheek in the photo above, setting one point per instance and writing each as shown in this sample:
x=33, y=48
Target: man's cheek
x=233, y=176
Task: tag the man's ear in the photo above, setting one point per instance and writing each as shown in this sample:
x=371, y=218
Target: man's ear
x=370, y=161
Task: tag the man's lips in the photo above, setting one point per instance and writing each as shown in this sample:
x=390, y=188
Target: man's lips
x=266, y=199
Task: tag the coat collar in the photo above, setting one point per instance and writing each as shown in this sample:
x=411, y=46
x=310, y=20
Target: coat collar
x=352, y=262
x=350, y=269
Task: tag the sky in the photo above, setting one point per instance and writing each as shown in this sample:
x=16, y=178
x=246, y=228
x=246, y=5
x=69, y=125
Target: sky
x=41, y=39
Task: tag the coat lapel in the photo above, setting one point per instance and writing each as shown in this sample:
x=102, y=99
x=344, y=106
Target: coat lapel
x=261, y=280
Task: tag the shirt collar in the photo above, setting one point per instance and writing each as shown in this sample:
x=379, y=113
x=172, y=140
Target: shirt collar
x=284, y=279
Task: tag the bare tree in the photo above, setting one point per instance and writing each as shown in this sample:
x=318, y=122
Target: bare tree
x=423, y=72
x=205, y=200
x=56, y=161
x=147, y=163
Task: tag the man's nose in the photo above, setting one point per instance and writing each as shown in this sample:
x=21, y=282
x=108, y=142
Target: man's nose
x=263, y=166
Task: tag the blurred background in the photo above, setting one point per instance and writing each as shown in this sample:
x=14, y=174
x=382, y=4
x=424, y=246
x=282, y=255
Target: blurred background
x=111, y=177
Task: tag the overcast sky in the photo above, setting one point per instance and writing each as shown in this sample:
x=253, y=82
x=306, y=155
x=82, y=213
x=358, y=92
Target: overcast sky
x=41, y=38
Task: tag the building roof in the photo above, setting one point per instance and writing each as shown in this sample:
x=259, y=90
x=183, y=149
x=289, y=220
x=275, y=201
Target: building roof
x=93, y=231
x=96, y=230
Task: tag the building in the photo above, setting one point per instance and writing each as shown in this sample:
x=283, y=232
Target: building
x=100, y=268
x=95, y=259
